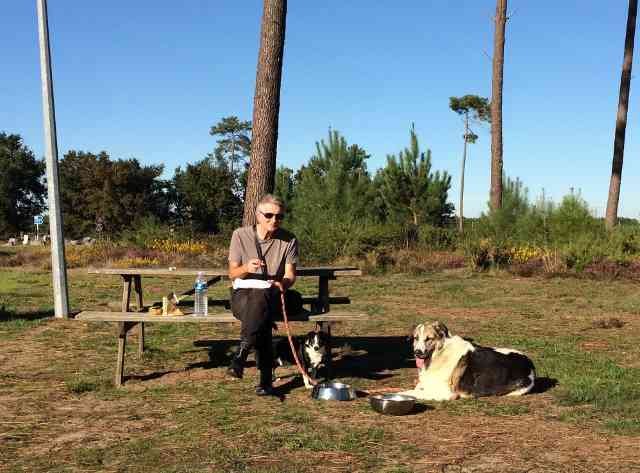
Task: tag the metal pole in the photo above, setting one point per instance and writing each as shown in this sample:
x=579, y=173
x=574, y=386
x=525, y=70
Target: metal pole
x=58, y=265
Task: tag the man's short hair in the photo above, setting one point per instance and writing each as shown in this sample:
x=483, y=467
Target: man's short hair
x=270, y=199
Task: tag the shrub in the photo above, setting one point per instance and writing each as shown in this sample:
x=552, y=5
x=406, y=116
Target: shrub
x=437, y=238
x=145, y=230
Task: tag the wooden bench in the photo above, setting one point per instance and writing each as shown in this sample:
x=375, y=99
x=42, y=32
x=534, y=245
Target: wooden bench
x=320, y=311
x=127, y=320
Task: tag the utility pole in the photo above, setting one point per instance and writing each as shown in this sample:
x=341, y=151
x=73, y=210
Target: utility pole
x=58, y=265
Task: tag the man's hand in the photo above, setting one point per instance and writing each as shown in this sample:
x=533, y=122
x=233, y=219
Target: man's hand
x=254, y=265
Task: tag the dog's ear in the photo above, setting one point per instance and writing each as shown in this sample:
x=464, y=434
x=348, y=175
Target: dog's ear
x=441, y=329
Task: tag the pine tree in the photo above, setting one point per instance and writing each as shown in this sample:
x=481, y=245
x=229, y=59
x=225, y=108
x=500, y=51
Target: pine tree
x=266, y=106
x=496, y=104
x=234, y=146
x=335, y=181
x=621, y=119
x=410, y=192
x=22, y=189
x=332, y=199
x=205, y=198
x=474, y=109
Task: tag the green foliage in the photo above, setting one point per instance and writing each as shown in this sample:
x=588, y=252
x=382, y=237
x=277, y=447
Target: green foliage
x=234, y=146
x=335, y=182
x=515, y=220
x=410, y=193
x=571, y=219
x=332, y=197
x=94, y=189
x=22, y=190
x=284, y=185
x=205, y=198
x=437, y=238
x=567, y=233
x=145, y=230
x=474, y=109
x=473, y=106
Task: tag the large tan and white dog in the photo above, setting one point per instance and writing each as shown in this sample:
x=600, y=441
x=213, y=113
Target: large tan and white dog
x=451, y=367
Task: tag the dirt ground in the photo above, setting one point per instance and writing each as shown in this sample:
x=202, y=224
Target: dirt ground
x=41, y=420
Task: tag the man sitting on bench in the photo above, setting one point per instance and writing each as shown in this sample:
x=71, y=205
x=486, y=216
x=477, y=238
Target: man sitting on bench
x=262, y=265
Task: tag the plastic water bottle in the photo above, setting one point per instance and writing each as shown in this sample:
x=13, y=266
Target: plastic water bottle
x=200, y=295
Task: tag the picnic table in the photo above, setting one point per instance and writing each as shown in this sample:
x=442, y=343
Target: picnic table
x=319, y=311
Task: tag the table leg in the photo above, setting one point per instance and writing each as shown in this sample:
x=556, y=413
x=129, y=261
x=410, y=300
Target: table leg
x=137, y=283
x=126, y=292
x=122, y=342
x=325, y=327
x=323, y=294
x=123, y=327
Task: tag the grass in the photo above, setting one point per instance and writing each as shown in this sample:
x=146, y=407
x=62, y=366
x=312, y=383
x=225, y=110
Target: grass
x=178, y=413
x=79, y=385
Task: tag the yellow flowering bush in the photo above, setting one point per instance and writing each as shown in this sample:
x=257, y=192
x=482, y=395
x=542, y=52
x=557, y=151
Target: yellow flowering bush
x=84, y=255
x=135, y=262
x=187, y=247
x=524, y=254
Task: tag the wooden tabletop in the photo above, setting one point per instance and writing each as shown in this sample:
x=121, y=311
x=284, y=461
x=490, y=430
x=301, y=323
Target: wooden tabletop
x=223, y=273
x=98, y=316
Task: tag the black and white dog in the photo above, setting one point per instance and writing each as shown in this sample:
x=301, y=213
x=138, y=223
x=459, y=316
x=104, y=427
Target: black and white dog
x=311, y=350
x=450, y=367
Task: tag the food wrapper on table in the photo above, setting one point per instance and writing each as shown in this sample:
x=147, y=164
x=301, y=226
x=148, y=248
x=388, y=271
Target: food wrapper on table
x=169, y=306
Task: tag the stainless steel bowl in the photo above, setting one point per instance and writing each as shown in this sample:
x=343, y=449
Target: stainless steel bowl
x=333, y=391
x=392, y=404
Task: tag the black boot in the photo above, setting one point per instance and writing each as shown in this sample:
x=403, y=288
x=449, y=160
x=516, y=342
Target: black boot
x=265, y=367
x=236, y=369
x=264, y=390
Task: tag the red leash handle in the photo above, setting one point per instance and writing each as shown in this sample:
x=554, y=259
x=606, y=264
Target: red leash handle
x=293, y=349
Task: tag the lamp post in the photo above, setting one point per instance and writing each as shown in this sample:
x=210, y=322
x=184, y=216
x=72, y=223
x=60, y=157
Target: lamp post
x=58, y=265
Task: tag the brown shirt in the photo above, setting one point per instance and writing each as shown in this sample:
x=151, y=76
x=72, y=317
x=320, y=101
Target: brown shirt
x=280, y=249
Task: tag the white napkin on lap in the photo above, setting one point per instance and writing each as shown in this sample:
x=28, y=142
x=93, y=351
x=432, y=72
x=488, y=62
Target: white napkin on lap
x=251, y=284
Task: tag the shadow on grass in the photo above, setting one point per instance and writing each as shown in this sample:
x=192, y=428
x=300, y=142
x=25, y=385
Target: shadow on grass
x=360, y=357
x=355, y=357
x=371, y=357
x=9, y=315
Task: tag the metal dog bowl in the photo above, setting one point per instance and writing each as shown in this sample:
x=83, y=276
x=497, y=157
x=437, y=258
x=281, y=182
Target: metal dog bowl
x=333, y=392
x=392, y=404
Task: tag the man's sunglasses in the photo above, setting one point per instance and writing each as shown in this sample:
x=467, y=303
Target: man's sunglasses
x=269, y=215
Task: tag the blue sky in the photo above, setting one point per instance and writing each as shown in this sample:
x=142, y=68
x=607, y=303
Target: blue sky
x=147, y=79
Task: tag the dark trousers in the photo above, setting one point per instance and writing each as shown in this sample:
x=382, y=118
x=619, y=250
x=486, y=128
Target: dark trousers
x=256, y=309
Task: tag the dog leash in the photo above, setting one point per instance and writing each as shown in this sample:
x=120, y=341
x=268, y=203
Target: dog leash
x=293, y=349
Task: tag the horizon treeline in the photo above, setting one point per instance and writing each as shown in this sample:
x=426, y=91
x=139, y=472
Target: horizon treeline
x=335, y=205
x=103, y=194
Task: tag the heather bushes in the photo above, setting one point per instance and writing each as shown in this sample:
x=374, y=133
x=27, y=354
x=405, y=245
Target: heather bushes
x=550, y=239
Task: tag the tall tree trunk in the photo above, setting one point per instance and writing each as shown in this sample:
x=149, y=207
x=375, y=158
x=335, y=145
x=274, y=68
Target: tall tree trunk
x=496, y=105
x=464, y=160
x=621, y=119
x=266, y=106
